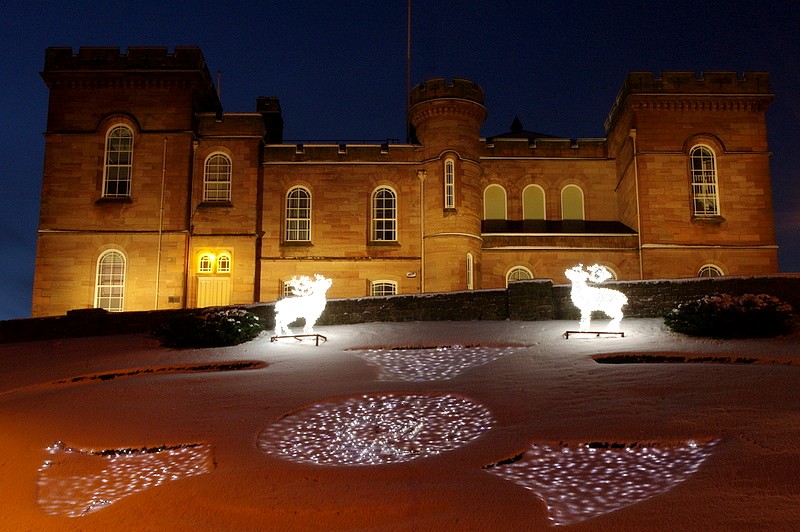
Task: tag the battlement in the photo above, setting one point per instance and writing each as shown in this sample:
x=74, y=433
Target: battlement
x=714, y=83
x=447, y=88
x=135, y=58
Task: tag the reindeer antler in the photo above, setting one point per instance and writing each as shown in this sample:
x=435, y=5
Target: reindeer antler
x=302, y=286
x=598, y=273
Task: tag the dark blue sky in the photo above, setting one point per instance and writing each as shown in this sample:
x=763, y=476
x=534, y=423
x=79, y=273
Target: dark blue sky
x=339, y=69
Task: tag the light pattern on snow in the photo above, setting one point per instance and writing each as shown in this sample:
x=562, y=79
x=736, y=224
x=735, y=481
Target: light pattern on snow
x=433, y=363
x=376, y=429
x=75, y=482
x=581, y=482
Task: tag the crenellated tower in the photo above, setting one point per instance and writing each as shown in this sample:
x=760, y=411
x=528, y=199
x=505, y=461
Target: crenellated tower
x=446, y=116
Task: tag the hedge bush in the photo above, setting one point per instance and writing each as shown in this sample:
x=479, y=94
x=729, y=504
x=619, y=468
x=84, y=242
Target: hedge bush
x=727, y=316
x=212, y=328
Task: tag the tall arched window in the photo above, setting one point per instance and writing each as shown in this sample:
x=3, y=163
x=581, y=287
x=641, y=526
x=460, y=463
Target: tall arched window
x=449, y=184
x=533, y=203
x=470, y=272
x=572, y=203
x=494, y=203
x=110, y=282
x=217, y=178
x=298, y=215
x=704, y=181
x=518, y=273
x=118, y=163
x=384, y=215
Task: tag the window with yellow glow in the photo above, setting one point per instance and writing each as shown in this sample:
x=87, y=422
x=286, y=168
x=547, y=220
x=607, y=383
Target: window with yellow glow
x=572, y=203
x=494, y=203
x=206, y=264
x=211, y=263
x=224, y=263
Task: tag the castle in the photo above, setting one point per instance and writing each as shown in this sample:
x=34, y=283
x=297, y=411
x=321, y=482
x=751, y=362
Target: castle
x=154, y=198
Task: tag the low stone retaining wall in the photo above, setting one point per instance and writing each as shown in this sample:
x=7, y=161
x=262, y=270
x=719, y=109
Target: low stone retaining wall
x=532, y=300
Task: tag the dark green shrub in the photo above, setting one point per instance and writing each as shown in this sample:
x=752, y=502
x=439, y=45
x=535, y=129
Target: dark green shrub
x=726, y=316
x=212, y=328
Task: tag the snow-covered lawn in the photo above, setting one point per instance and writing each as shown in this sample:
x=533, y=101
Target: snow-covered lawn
x=492, y=426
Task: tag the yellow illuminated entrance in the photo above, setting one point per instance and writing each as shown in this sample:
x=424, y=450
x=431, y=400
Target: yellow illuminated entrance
x=213, y=279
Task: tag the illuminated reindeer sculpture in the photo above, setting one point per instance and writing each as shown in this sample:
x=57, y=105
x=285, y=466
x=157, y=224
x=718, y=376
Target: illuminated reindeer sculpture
x=588, y=298
x=308, y=303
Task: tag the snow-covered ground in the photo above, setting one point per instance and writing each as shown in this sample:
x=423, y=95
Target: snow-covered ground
x=506, y=426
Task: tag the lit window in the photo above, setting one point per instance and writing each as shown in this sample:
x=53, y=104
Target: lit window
x=518, y=273
x=205, y=264
x=383, y=288
x=704, y=181
x=572, y=203
x=298, y=215
x=110, y=285
x=287, y=290
x=384, y=215
x=470, y=271
x=494, y=203
x=449, y=184
x=217, y=178
x=224, y=263
x=118, y=163
x=709, y=270
x=533, y=203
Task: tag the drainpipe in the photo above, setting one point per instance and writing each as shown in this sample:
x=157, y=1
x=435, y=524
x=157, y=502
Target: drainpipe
x=161, y=221
x=422, y=174
x=638, y=209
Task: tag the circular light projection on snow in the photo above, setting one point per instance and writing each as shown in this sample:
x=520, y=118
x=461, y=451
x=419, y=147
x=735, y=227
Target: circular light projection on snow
x=587, y=480
x=432, y=363
x=376, y=429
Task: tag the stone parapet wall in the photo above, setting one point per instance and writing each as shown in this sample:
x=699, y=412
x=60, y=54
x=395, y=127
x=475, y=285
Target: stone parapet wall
x=532, y=300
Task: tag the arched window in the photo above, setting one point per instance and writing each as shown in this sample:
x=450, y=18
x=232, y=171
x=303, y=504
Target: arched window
x=118, y=163
x=494, y=203
x=704, y=181
x=518, y=273
x=383, y=288
x=533, y=203
x=470, y=272
x=298, y=215
x=572, y=203
x=709, y=270
x=384, y=215
x=217, y=178
x=224, y=263
x=206, y=263
x=449, y=184
x=110, y=282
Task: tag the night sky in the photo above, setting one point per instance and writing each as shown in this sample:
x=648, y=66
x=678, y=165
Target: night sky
x=339, y=69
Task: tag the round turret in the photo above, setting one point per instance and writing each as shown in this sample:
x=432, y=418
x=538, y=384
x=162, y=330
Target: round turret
x=447, y=114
